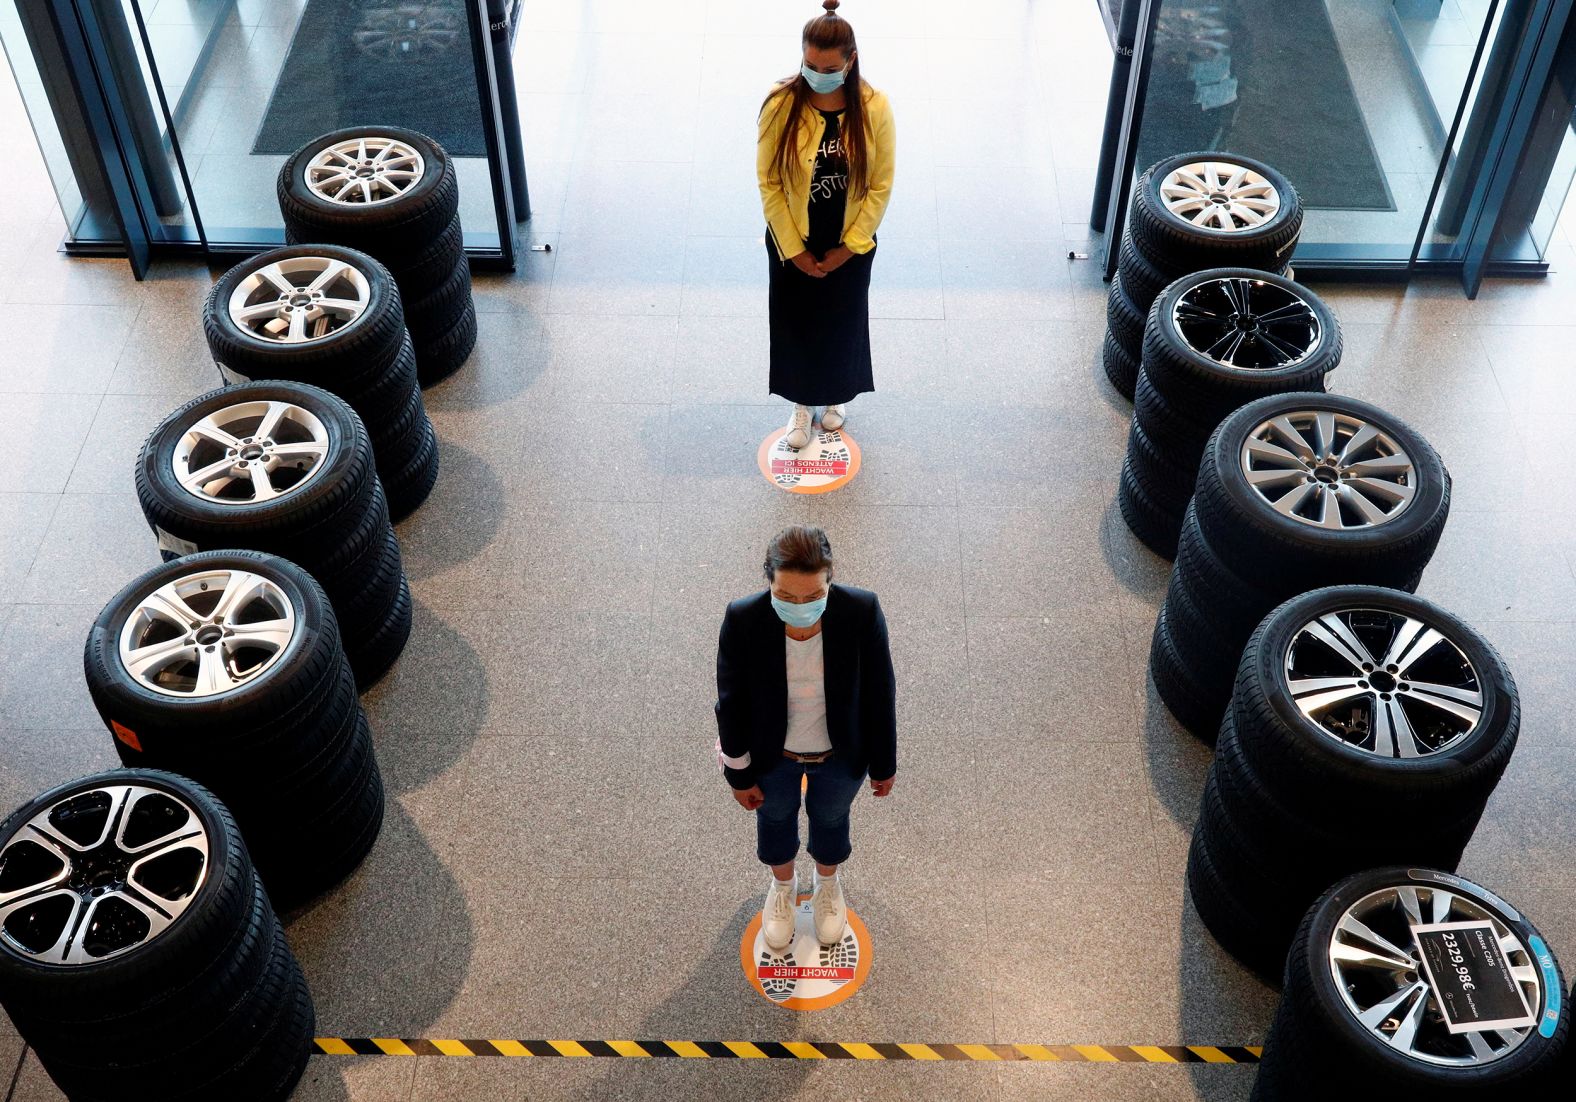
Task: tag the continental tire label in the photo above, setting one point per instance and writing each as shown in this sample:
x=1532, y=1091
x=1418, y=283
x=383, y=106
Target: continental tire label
x=807, y=975
x=173, y=543
x=828, y=462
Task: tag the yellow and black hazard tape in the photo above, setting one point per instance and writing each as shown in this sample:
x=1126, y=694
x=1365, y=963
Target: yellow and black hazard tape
x=792, y=1050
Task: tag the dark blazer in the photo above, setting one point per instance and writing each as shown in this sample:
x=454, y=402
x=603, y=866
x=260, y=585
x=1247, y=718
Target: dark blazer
x=752, y=685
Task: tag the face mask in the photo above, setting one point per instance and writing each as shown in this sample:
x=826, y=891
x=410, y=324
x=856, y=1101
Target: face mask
x=823, y=82
x=799, y=616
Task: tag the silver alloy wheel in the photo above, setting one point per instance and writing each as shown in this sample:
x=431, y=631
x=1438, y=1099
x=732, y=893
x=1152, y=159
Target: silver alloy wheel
x=206, y=633
x=409, y=31
x=300, y=299
x=364, y=171
x=99, y=873
x=250, y=452
x=1383, y=682
x=1329, y=470
x=1377, y=966
x=1220, y=195
x=1247, y=323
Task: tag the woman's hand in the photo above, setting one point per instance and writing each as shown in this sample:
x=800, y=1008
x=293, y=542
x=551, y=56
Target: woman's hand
x=835, y=259
x=752, y=797
x=805, y=262
x=882, y=788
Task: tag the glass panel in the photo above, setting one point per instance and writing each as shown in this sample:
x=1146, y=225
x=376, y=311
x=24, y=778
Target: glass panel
x=1351, y=99
x=250, y=81
x=1531, y=215
x=97, y=224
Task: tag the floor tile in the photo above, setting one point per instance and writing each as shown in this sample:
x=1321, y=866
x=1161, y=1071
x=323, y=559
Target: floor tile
x=1060, y=678
x=45, y=432
x=41, y=683
x=725, y=276
x=108, y=459
x=96, y=543
x=61, y=349
x=723, y=361
x=620, y=359
x=24, y=519
x=627, y=274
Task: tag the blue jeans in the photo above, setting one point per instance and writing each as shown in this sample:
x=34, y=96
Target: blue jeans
x=832, y=786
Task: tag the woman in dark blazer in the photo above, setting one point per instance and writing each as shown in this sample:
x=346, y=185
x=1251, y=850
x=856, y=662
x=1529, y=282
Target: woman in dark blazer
x=805, y=695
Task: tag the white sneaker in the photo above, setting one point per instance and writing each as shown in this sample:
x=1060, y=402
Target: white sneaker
x=798, y=434
x=778, y=911
x=833, y=418
x=831, y=917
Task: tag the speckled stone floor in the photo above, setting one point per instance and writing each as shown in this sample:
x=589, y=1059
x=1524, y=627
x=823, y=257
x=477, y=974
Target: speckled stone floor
x=559, y=858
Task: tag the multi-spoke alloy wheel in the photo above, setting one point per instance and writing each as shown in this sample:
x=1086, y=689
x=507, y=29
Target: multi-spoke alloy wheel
x=1384, y=682
x=99, y=873
x=1220, y=195
x=299, y=299
x=1247, y=323
x=1378, y=969
x=206, y=633
x=1329, y=469
x=364, y=171
x=250, y=452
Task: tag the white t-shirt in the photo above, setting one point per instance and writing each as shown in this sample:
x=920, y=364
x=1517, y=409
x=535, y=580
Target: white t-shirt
x=807, y=733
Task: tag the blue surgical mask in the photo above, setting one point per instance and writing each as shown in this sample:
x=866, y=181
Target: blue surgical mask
x=823, y=82
x=799, y=616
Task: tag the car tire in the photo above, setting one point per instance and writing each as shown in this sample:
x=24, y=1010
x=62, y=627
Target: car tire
x=252, y=315
x=1121, y=368
x=199, y=999
x=1423, y=746
x=447, y=353
x=405, y=218
x=1246, y=235
x=1293, y=349
x=1389, y=527
x=439, y=310
x=1320, y=1044
x=429, y=268
x=1125, y=318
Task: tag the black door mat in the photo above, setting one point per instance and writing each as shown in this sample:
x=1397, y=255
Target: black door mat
x=1265, y=78
x=369, y=62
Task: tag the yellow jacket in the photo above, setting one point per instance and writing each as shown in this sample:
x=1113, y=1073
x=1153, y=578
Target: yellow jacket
x=787, y=202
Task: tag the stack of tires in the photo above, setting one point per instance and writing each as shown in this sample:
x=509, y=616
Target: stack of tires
x=1368, y=727
x=140, y=956
x=1295, y=492
x=284, y=468
x=1191, y=212
x=1215, y=340
x=394, y=195
x=331, y=317
x=226, y=667
x=1363, y=1015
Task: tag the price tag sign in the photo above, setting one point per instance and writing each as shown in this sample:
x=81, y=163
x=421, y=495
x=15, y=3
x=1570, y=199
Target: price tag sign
x=1466, y=967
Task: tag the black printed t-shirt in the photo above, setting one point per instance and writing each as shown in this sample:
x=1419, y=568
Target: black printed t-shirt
x=828, y=189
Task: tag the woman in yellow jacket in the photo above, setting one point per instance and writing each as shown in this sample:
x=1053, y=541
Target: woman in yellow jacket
x=824, y=159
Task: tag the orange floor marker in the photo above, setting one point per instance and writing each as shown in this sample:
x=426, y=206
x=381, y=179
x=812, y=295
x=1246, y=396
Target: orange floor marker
x=807, y=975
x=828, y=462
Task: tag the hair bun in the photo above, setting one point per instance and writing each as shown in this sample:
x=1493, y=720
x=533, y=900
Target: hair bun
x=830, y=6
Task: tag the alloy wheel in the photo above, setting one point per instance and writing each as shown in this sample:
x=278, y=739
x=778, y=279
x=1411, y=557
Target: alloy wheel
x=1383, y=682
x=1247, y=323
x=206, y=633
x=250, y=452
x=364, y=171
x=1329, y=470
x=300, y=299
x=98, y=873
x=1219, y=195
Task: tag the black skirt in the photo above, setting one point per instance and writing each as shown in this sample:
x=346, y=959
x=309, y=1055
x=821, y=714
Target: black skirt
x=820, y=331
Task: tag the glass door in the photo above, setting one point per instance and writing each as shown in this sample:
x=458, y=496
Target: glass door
x=1391, y=117
x=209, y=97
